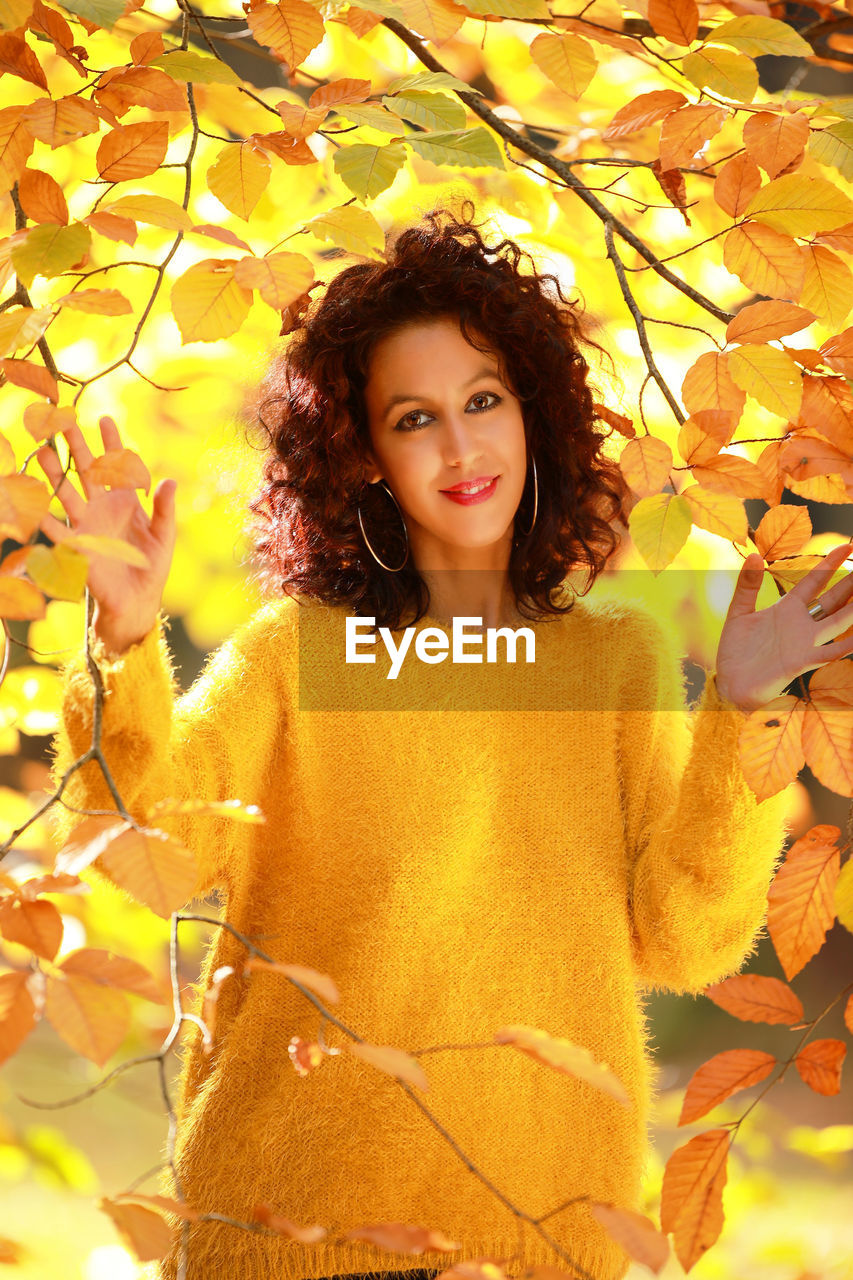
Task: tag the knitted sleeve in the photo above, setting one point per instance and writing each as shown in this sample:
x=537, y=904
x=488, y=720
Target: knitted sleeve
x=209, y=744
x=701, y=848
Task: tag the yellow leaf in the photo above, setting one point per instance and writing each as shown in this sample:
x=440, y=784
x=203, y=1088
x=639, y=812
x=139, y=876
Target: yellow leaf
x=828, y=742
x=834, y=146
x=645, y=463
x=155, y=210
x=50, y=249
x=43, y=420
x=765, y=260
x=770, y=376
x=350, y=228
x=392, y=1061
x=475, y=148
x=238, y=177
x=189, y=65
x=568, y=61
x=369, y=170
x=755, y=35
x=208, y=303
x=724, y=71
x=24, y=502
x=770, y=745
x=22, y=326
x=708, y=384
x=93, y=544
x=827, y=285
x=155, y=868
x=7, y=457
x=800, y=206
x=659, y=526
x=719, y=513
x=280, y=277
x=844, y=895
x=16, y=143
x=58, y=571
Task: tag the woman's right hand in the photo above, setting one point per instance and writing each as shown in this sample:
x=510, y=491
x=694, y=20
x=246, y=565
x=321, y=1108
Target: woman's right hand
x=128, y=598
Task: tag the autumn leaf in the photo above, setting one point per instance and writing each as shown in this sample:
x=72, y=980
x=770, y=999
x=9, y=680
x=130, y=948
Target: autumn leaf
x=828, y=740
x=768, y=375
x=686, y=131
x=773, y=139
x=395, y=1062
x=17, y=1013
x=692, y=1194
x=133, y=150
x=41, y=197
x=763, y=321
x=800, y=206
x=641, y=112
x=208, y=303
x=292, y=28
x=145, y=1231
x=119, y=469
x=675, y=20
x=18, y=598
x=636, y=1233
x=723, y=1075
x=708, y=384
x=646, y=463
x=37, y=925
x=239, y=176
x=754, y=998
x=320, y=983
x=563, y=1055
x=34, y=377
x=284, y=1227
x=765, y=260
x=770, y=745
x=819, y=1063
x=398, y=1237
x=801, y=907
x=568, y=61
x=91, y=1018
x=103, y=302
x=24, y=503
x=735, y=184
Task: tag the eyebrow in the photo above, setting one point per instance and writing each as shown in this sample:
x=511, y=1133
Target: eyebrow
x=483, y=372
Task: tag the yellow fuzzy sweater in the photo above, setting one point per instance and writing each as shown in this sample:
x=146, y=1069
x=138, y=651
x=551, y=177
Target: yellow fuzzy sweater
x=462, y=848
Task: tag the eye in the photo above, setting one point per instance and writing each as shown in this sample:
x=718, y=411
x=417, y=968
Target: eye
x=479, y=395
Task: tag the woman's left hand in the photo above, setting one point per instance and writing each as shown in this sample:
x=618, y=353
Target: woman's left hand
x=760, y=653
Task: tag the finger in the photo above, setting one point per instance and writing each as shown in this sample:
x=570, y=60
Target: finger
x=163, y=510
x=836, y=596
x=833, y=625
x=109, y=433
x=82, y=455
x=747, y=587
x=62, y=486
x=54, y=529
x=809, y=586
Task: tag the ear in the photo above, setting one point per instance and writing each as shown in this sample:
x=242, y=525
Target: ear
x=372, y=472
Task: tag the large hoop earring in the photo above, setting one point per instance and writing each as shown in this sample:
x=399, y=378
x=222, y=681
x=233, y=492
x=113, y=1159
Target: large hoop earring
x=526, y=532
x=367, y=543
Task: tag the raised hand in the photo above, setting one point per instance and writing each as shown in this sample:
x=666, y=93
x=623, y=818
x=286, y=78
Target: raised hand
x=760, y=653
x=127, y=598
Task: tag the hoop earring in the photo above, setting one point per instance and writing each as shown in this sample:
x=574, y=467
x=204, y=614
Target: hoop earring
x=526, y=532
x=367, y=543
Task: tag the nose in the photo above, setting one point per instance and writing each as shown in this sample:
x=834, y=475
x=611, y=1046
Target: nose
x=460, y=441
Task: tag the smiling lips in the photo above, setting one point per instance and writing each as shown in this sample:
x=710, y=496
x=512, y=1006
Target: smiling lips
x=467, y=492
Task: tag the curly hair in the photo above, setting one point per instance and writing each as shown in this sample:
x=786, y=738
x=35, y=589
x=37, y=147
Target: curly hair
x=311, y=407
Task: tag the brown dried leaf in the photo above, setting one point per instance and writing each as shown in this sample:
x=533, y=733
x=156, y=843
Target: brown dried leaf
x=754, y=998
x=692, y=1194
x=723, y=1075
x=819, y=1064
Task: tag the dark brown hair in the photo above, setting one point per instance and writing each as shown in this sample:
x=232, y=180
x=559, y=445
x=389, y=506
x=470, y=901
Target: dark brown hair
x=311, y=407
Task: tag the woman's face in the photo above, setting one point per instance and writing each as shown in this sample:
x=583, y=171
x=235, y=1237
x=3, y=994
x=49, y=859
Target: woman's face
x=439, y=414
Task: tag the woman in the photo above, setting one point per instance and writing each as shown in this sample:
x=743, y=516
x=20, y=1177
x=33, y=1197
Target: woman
x=462, y=846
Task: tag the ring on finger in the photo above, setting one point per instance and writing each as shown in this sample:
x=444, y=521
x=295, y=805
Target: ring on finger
x=817, y=610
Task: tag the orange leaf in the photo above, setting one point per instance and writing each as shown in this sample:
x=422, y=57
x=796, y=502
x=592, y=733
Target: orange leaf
x=770, y=745
x=774, y=140
x=720, y=513
x=41, y=197
x=783, y=531
x=564, y=1056
x=645, y=464
x=17, y=1013
x=143, y=87
x=20, y=599
x=146, y=46
x=827, y=285
x=112, y=227
x=164, y=1203
x=57, y=121
x=337, y=92
x=398, y=1237
x=43, y=420
x=91, y=1018
x=767, y=261
x=24, y=501
x=828, y=741
x=641, y=112
x=133, y=150
x=11, y=1252
x=305, y=1235
x=837, y=352
x=18, y=59
x=801, y=904
x=735, y=184
x=104, y=302
x=152, y=866
x=120, y=469
x=110, y=970
x=728, y=473
x=222, y=234
x=840, y=238
x=675, y=20
x=23, y=373
x=395, y=1062
x=848, y=1014
x=16, y=143
x=709, y=385
x=763, y=321
x=146, y=1232
x=280, y=277
x=636, y=1233
x=292, y=28
x=754, y=998
x=692, y=1194
x=320, y=983
x=37, y=925
x=724, y=1074
x=686, y=131
x=819, y=1064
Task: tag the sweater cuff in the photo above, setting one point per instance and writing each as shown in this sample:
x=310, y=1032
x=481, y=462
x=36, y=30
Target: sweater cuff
x=142, y=674
x=711, y=699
